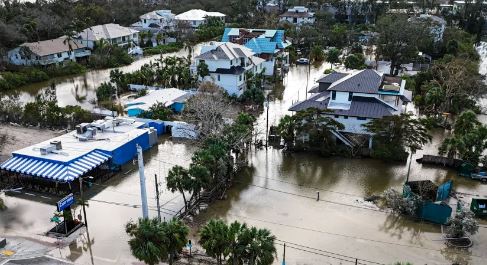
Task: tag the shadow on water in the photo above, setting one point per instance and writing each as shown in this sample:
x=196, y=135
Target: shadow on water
x=398, y=226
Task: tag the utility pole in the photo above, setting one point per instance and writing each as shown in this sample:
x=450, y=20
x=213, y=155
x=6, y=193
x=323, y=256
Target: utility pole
x=143, y=191
x=82, y=200
x=157, y=198
x=409, y=167
x=284, y=255
x=267, y=124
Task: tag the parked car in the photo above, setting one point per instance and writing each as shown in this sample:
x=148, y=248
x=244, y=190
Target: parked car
x=302, y=61
x=482, y=176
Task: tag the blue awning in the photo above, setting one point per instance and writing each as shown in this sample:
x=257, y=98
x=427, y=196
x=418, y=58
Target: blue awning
x=53, y=170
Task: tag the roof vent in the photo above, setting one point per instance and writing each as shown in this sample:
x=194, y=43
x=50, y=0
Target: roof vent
x=57, y=145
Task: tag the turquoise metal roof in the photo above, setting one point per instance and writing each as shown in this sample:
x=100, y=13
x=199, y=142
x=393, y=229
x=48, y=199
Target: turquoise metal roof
x=268, y=42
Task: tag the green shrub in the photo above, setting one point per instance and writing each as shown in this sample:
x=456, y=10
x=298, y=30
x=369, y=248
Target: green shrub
x=161, y=49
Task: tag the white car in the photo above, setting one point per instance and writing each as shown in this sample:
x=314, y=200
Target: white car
x=302, y=61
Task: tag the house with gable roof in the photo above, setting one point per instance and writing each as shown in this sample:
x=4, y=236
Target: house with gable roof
x=228, y=63
x=267, y=44
x=356, y=98
x=113, y=34
x=48, y=52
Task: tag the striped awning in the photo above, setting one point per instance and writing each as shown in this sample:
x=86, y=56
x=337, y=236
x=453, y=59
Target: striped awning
x=56, y=171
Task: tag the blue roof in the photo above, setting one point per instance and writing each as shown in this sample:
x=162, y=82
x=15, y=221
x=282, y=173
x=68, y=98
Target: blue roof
x=268, y=42
x=55, y=170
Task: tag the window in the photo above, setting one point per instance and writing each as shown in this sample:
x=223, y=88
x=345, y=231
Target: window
x=350, y=95
x=218, y=77
x=59, y=55
x=333, y=95
x=194, y=23
x=345, y=117
x=240, y=78
x=231, y=62
x=337, y=116
x=145, y=21
x=361, y=118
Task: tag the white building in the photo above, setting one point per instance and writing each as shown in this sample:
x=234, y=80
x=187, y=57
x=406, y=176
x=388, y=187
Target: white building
x=114, y=34
x=158, y=19
x=228, y=64
x=196, y=17
x=298, y=15
x=354, y=99
x=48, y=52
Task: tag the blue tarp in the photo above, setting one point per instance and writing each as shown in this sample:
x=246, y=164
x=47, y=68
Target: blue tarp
x=444, y=191
x=55, y=170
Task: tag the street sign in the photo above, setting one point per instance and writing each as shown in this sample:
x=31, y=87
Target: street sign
x=65, y=202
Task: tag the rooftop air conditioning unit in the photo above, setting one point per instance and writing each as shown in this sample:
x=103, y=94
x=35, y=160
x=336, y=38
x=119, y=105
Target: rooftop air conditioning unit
x=81, y=128
x=57, y=145
x=46, y=150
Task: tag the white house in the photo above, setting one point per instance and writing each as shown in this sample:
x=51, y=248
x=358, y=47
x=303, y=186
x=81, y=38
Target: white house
x=228, y=64
x=114, y=34
x=158, y=19
x=196, y=17
x=355, y=98
x=48, y=52
x=298, y=15
x=268, y=44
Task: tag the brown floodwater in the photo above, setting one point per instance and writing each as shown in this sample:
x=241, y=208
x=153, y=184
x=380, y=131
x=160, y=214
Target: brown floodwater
x=277, y=191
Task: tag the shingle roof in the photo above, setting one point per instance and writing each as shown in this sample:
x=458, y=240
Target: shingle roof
x=47, y=47
x=365, y=81
x=224, y=51
x=296, y=14
x=332, y=77
x=367, y=107
x=106, y=31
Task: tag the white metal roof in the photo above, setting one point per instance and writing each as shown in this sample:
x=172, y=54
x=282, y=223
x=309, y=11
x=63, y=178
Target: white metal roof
x=167, y=96
x=198, y=14
x=72, y=148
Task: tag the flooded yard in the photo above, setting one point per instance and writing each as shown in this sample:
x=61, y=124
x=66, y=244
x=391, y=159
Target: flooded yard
x=278, y=191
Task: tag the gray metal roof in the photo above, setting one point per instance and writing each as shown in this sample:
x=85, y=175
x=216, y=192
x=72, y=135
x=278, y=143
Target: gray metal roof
x=367, y=107
x=216, y=54
x=332, y=77
x=365, y=81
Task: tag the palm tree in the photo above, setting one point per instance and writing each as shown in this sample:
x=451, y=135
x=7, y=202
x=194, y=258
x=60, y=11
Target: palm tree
x=261, y=249
x=214, y=239
x=236, y=246
x=148, y=241
x=178, y=180
x=176, y=233
x=286, y=128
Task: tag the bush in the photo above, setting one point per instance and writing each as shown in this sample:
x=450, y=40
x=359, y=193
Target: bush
x=399, y=204
x=105, y=92
x=109, y=56
x=68, y=68
x=162, y=49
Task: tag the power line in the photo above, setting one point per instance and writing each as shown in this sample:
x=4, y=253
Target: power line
x=340, y=235
x=325, y=251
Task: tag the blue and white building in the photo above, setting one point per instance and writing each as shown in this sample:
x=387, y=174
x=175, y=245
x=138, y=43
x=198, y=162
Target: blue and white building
x=106, y=144
x=172, y=98
x=267, y=44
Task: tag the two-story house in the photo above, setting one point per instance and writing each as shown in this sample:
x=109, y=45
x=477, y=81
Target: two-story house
x=48, y=52
x=228, y=64
x=268, y=44
x=196, y=17
x=356, y=98
x=158, y=19
x=297, y=16
x=113, y=34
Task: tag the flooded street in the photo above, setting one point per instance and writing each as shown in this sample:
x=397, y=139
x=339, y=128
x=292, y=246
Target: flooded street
x=277, y=191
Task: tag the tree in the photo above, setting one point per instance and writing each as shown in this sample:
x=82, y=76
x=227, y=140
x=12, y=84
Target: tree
x=178, y=179
x=105, y=92
x=399, y=40
x=214, y=239
x=397, y=133
x=333, y=56
x=468, y=141
x=158, y=111
x=286, y=129
x=318, y=126
x=317, y=54
x=177, y=237
x=153, y=241
x=355, y=61
x=462, y=224
x=261, y=249
x=148, y=241
x=202, y=69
